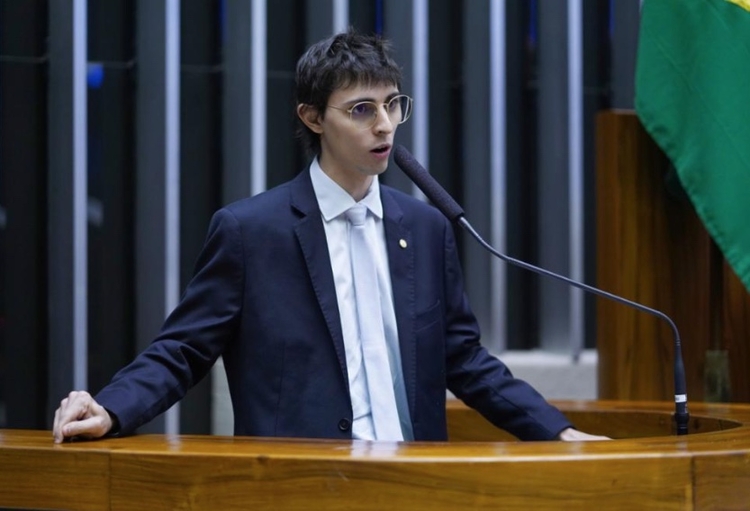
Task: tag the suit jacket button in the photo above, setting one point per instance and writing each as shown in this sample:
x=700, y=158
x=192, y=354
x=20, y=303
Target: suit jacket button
x=345, y=424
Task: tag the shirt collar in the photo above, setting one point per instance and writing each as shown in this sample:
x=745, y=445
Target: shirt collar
x=334, y=200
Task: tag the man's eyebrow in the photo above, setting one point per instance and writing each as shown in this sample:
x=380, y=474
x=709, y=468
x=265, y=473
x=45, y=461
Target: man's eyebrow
x=371, y=99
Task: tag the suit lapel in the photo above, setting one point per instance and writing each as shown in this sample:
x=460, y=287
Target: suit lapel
x=312, y=240
x=398, y=239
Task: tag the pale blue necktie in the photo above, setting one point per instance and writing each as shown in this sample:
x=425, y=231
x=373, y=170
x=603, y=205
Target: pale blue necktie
x=371, y=334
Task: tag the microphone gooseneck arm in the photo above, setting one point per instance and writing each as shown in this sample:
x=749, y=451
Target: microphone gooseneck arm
x=450, y=208
x=682, y=417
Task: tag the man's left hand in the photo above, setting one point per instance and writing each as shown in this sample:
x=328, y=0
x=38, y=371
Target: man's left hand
x=573, y=435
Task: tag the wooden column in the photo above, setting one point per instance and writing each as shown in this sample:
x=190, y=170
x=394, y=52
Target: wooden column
x=652, y=248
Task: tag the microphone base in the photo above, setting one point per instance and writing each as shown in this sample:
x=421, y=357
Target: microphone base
x=682, y=421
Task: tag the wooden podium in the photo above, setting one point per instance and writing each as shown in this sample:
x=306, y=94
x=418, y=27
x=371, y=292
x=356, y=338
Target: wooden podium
x=652, y=248
x=644, y=468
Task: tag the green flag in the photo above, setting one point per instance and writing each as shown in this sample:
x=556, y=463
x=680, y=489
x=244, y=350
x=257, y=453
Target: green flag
x=693, y=97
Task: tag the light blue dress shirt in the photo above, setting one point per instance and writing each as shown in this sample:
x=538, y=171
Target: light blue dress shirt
x=333, y=202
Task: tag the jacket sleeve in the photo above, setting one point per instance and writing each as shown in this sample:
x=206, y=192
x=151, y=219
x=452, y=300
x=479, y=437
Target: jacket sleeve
x=480, y=379
x=192, y=338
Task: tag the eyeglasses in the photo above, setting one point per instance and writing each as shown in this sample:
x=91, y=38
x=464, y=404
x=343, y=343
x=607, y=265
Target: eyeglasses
x=364, y=114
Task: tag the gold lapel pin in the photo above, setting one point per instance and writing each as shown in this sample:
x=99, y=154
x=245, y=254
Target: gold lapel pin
x=402, y=243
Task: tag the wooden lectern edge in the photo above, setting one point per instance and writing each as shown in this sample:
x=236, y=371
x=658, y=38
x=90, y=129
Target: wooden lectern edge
x=724, y=421
x=708, y=470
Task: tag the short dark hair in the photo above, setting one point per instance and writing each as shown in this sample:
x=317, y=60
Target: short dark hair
x=342, y=60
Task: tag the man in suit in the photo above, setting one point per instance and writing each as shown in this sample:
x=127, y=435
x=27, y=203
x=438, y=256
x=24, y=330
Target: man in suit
x=274, y=292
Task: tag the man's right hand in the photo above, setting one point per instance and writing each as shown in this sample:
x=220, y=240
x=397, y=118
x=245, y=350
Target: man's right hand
x=80, y=416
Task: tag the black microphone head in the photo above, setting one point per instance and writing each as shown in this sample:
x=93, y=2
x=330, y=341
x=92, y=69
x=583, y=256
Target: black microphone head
x=425, y=182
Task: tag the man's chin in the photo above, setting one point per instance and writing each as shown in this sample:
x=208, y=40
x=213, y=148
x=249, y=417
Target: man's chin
x=373, y=171
x=379, y=169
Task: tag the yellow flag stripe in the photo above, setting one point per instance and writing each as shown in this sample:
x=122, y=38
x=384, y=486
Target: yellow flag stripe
x=745, y=4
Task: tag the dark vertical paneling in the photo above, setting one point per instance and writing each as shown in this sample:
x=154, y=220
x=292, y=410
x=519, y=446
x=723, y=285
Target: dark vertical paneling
x=236, y=101
x=626, y=17
x=66, y=200
x=363, y=15
x=200, y=162
x=521, y=183
x=597, y=61
x=476, y=158
x=445, y=86
x=553, y=174
x=155, y=160
x=398, y=26
x=286, y=42
x=111, y=182
x=23, y=184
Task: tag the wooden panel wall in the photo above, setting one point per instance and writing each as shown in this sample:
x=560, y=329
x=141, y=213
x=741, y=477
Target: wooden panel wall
x=653, y=249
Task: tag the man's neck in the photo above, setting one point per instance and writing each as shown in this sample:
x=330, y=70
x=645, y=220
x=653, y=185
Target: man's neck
x=357, y=185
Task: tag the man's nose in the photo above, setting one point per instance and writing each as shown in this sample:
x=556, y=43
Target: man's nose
x=383, y=123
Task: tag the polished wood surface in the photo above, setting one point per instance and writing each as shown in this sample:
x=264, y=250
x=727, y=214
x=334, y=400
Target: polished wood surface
x=480, y=468
x=735, y=334
x=652, y=248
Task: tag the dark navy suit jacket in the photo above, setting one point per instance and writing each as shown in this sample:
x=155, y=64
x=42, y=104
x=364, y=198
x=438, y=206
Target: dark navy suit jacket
x=263, y=296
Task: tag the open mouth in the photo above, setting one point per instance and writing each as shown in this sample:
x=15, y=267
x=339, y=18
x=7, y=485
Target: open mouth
x=382, y=149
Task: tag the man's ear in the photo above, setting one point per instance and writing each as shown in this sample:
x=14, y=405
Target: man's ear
x=310, y=116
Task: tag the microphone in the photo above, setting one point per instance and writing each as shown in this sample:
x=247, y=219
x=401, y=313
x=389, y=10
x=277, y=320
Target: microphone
x=450, y=208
